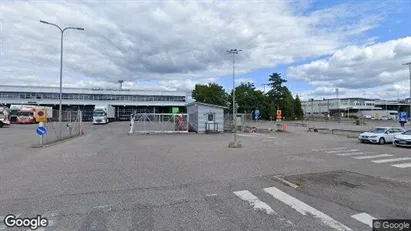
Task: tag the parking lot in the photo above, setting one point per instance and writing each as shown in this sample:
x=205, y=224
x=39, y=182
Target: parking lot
x=109, y=180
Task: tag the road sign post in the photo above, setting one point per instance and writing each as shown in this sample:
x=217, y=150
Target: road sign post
x=41, y=131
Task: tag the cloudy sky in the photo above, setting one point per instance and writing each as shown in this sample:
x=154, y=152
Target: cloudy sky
x=318, y=45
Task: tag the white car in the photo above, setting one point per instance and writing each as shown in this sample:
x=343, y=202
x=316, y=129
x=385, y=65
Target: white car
x=380, y=135
x=403, y=139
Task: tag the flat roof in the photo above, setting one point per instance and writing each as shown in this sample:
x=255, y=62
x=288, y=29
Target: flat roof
x=206, y=104
x=100, y=91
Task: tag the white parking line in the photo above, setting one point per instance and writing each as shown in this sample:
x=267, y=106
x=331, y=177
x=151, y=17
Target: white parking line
x=364, y=218
x=405, y=165
x=325, y=149
x=254, y=201
x=371, y=157
x=352, y=153
x=391, y=160
x=339, y=151
x=303, y=208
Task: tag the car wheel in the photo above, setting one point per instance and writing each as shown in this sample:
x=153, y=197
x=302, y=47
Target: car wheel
x=1, y=124
x=381, y=141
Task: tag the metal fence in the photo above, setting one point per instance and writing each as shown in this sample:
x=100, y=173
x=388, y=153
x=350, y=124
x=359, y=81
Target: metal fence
x=243, y=120
x=71, y=126
x=159, y=123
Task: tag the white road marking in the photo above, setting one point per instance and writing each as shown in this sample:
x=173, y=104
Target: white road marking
x=345, y=151
x=286, y=182
x=303, y=208
x=254, y=201
x=352, y=153
x=364, y=218
x=325, y=149
x=211, y=195
x=405, y=165
x=391, y=160
x=371, y=157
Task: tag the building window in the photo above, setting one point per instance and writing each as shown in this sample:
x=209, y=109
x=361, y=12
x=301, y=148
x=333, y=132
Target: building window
x=210, y=117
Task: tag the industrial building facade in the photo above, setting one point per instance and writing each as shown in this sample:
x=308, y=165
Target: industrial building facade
x=124, y=100
x=353, y=106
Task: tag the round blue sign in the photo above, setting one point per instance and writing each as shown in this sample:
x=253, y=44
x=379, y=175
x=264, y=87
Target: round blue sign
x=41, y=131
x=41, y=113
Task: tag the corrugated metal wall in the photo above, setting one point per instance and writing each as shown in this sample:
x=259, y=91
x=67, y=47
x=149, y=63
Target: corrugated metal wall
x=198, y=117
x=202, y=118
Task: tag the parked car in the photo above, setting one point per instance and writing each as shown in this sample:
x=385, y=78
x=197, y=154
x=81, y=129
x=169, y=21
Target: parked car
x=380, y=135
x=403, y=139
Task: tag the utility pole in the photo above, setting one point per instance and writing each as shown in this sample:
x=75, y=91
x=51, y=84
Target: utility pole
x=312, y=108
x=234, y=52
x=328, y=109
x=265, y=84
x=61, y=68
x=339, y=112
x=409, y=67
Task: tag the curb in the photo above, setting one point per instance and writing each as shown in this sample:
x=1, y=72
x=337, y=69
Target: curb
x=57, y=142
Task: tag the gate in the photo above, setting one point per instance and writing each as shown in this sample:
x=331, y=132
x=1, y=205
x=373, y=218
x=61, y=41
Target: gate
x=159, y=123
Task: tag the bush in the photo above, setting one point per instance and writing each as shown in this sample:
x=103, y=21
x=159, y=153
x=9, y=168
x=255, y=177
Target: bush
x=353, y=117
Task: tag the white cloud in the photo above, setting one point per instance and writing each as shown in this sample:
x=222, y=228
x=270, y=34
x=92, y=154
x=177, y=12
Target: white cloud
x=356, y=69
x=176, y=42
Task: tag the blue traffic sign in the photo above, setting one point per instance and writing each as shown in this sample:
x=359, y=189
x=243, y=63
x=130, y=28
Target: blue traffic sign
x=41, y=131
x=257, y=114
x=403, y=116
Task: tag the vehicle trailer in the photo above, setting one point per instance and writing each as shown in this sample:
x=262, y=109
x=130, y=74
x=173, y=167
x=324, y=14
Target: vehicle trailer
x=27, y=113
x=103, y=114
x=4, y=116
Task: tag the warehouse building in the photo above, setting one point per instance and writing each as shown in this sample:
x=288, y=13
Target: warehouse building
x=353, y=106
x=124, y=100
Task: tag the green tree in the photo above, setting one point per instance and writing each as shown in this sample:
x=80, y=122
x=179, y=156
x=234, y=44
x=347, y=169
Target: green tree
x=287, y=104
x=247, y=97
x=211, y=93
x=298, y=108
x=276, y=92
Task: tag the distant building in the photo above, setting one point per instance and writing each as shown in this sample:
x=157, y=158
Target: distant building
x=124, y=100
x=351, y=106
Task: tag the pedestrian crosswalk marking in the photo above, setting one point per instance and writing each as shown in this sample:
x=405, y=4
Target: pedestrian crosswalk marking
x=372, y=157
x=339, y=151
x=303, y=208
x=364, y=218
x=325, y=149
x=391, y=160
x=352, y=153
x=254, y=201
x=405, y=165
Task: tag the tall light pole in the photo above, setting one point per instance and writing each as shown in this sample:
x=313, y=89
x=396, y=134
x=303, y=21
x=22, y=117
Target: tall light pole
x=339, y=112
x=409, y=66
x=61, y=68
x=234, y=52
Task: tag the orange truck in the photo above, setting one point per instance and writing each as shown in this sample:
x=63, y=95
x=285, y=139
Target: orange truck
x=4, y=116
x=27, y=114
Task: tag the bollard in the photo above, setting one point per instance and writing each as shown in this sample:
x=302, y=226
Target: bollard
x=284, y=127
x=131, y=124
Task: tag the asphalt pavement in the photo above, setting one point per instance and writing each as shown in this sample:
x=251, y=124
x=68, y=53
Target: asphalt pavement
x=109, y=180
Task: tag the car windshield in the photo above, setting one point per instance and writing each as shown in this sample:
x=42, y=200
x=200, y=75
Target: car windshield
x=407, y=132
x=99, y=113
x=378, y=130
x=26, y=114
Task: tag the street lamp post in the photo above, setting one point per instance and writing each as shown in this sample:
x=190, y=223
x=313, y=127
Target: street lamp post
x=61, y=68
x=339, y=111
x=409, y=66
x=234, y=52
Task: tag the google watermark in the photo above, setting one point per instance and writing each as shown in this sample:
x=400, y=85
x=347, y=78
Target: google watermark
x=391, y=225
x=32, y=223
